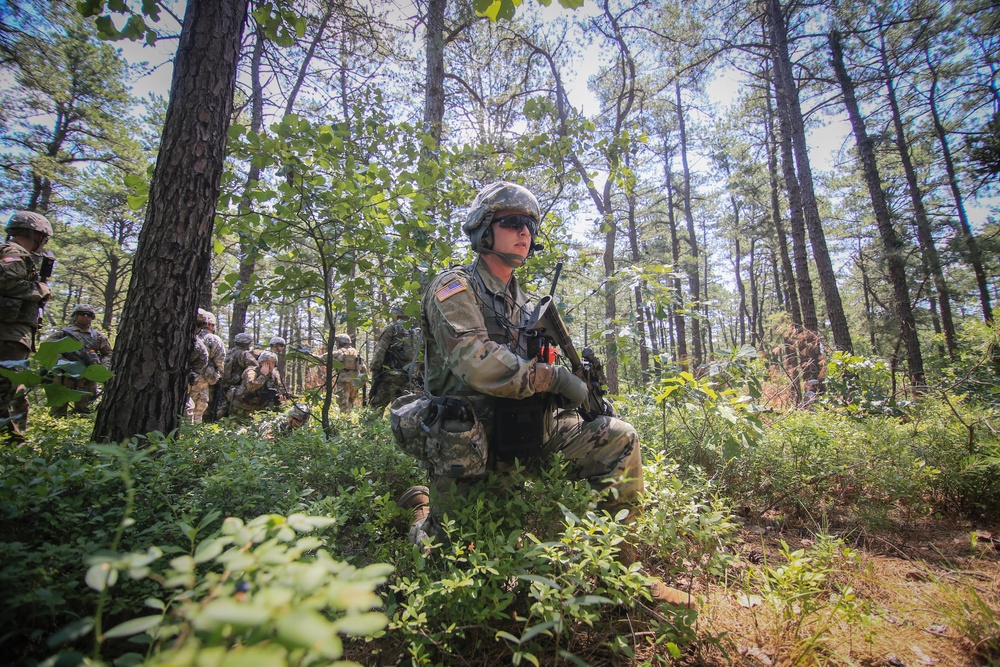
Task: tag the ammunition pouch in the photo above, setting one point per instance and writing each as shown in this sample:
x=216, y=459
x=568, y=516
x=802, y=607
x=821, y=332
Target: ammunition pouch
x=14, y=310
x=519, y=427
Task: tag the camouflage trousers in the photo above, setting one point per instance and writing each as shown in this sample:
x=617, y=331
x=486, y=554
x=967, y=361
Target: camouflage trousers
x=389, y=388
x=347, y=393
x=605, y=452
x=197, y=402
x=13, y=399
x=82, y=406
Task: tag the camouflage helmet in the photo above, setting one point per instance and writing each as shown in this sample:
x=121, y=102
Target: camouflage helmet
x=243, y=339
x=496, y=197
x=343, y=340
x=277, y=340
x=205, y=318
x=29, y=221
x=588, y=352
x=267, y=356
x=299, y=411
x=83, y=308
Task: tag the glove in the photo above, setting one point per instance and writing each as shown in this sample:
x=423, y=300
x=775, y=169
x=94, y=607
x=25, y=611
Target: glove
x=46, y=292
x=568, y=385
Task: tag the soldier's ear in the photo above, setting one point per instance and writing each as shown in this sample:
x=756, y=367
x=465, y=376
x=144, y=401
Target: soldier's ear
x=486, y=243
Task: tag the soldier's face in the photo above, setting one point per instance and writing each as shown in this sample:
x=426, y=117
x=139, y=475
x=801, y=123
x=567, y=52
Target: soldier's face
x=513, y=241
x=83, y=320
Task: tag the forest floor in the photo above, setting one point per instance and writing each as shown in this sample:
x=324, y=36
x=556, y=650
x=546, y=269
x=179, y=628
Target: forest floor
x=925, y=595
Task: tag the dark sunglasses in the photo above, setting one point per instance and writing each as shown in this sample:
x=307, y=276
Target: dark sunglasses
x=518, y=221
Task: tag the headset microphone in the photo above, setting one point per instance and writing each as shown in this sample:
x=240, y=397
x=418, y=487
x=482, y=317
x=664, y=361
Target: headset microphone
x=537, y=247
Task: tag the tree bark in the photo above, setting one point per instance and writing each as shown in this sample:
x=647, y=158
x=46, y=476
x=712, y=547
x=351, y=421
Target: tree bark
x=785, y=83
x=434, y=91
x=175, y=244
x=972, y=246
x=924, y=235
x=694, y=279
x=679, y=346
x=890, y=241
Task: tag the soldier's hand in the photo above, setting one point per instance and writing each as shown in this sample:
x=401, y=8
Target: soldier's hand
x=568, y=385
x=46, y=292
x=192, y=377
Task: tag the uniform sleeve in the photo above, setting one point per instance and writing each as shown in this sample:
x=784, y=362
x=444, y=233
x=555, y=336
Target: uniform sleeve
x=14, y=280
x=254, y=381
x=55, y=335
x=460, y=333
x=384, y=340
x=104, y=349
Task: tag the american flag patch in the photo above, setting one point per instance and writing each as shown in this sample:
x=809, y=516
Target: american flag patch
x=450, y=290
x=11, y=259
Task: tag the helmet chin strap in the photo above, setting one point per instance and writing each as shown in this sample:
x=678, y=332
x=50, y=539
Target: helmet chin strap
x=511, y=259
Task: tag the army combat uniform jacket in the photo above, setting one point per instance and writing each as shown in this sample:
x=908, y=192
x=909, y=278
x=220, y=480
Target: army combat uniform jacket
x=21, y=295
x=96, y=347
x=474, y=349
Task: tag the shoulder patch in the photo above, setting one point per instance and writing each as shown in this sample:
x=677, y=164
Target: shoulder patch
x=12, y=258
x=450, y=290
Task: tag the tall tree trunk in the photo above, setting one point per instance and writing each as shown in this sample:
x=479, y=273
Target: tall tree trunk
x=694, y=284
x=633, y=244
x=785, y=83
x=924, y=235
x=248, y=245
x=890, y=241
x=678, y=346
x=434, y=85
x=975, y=255
x=175, y=244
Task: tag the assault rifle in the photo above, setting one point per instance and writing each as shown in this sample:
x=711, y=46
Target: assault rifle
x=546, y=328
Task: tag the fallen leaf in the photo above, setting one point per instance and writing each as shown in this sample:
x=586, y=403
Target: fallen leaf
x=759, y=655
x=749, y=600
x=922, y=657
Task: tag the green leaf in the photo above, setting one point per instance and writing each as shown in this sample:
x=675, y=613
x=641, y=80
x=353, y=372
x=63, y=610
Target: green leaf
x=57, y=395
x=101, y=576
x=134, y=627
x=305, y=628
x=97, y=373
x=72, y=632
x=361, y=625
x=225, y=611
x=25, y=376
x=49, y=351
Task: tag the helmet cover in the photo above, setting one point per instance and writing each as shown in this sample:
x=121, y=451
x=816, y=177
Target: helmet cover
x=343, y=340
x=498, y=196
x=204, y=317
x=83, y=308
x=243, y=339
x=267, y=356
x=277, y=340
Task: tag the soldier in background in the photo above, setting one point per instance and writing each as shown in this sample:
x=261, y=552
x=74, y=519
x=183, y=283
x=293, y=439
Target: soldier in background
x=96, y=349
x=201, y=395
x=238, y=360
x=24, y=271
x=197, y=363
x=296, y=417
x=277, y=345
x=260, y=387
x=392, y=361
x=349, y=375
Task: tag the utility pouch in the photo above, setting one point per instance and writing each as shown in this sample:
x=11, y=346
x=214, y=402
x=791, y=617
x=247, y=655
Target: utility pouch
x=519, y=427
x=456, y=439
x=10, y=308
x=406, y=419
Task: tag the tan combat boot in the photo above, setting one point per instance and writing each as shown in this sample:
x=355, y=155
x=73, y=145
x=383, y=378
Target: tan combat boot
x=662, y=593
x=416, y=499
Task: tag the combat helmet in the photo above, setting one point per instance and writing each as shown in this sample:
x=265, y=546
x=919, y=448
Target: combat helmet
x=83, y=308
x=28, y=221
x=299, y=411
x=267, y=356
x=492, y=198
x=343, y=340
x=244, y=340
x=204, y=318
x=277, y=340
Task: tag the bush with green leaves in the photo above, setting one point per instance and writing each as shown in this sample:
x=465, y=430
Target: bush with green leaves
x=529, y=570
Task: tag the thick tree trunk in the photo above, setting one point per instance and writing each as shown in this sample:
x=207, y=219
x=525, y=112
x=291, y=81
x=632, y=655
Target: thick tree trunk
x=924, y=235
x=890, y=241
x=633, y=244
x=785, y=83
x=175, y=244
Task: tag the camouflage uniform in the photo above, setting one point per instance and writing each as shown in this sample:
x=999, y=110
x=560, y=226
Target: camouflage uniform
x=200, y=390
x=238, y=359
x=348, y=377
x=471, y=352
x=22, y=295
x=257, y=390
x=394, y=354
x=96, y=350
x=197, y=363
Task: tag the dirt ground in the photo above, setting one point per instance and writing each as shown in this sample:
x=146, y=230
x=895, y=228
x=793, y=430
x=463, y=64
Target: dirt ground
x=929, y=595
